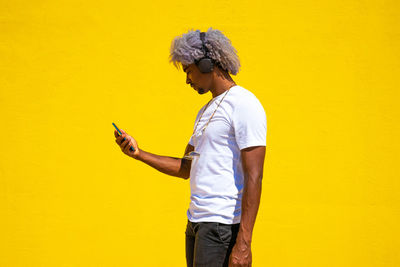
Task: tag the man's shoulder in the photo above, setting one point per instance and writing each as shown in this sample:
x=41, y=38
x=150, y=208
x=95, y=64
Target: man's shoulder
x=244, y=97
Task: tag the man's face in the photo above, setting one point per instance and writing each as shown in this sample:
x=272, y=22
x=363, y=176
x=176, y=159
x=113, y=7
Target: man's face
x=200, y=82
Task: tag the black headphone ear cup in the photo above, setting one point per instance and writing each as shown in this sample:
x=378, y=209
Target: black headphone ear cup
x=205, y=65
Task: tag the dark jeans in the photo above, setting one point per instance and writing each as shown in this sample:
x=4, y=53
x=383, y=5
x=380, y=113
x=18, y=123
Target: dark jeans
x=209, y=243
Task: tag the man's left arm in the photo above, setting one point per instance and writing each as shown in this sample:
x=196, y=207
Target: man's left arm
x=253, y=163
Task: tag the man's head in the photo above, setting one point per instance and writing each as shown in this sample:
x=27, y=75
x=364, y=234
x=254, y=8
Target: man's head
x=201, y=82
x=187, y=49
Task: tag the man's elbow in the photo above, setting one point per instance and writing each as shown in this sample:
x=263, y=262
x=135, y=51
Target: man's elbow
x=185, y=169
x=184, y=175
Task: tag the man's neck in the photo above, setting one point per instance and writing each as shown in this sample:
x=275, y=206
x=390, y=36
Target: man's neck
x=217, y=91
x=222, y=84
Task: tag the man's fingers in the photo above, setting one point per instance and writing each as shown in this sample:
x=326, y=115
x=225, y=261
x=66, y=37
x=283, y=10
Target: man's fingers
x=124, y=143
x=120, y=139
x=126, y=148
x=120, y=143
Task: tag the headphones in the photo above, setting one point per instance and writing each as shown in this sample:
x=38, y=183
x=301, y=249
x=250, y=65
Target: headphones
x=205, y=64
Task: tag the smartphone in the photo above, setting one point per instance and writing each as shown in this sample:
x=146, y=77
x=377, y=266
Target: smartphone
x=131, y=148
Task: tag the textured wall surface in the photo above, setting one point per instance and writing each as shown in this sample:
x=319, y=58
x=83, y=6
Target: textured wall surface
x=326, y=72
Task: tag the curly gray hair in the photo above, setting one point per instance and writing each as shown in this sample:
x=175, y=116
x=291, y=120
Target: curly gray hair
x=187, y=48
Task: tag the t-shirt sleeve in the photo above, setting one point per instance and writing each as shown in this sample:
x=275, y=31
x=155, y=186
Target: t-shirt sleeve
x=250, y=124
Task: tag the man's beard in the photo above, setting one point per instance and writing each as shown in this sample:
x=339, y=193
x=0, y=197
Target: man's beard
x=201, y=90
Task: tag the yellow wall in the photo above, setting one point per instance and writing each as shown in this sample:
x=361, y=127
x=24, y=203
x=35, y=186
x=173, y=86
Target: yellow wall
x=326, y=72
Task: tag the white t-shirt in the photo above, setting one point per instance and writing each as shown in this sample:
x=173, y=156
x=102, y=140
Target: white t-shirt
x=216, y=176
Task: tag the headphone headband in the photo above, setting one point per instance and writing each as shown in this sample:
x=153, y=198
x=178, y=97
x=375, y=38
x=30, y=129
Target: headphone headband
x=206, y=63
x=203, y=41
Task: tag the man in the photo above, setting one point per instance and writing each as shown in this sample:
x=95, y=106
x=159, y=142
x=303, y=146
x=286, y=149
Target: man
x=225, y=155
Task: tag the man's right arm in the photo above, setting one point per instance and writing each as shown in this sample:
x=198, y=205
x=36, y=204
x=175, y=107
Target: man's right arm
x=178, y=167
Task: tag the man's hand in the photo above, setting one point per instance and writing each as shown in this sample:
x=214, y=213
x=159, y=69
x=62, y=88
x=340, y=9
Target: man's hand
x=240, y=255
x=127, y=143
